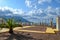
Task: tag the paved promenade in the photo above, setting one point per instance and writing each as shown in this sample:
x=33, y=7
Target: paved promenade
x=25, y=29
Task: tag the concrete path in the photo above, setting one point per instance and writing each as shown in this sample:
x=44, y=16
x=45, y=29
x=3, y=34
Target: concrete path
x=48, y=30
x=4, y=30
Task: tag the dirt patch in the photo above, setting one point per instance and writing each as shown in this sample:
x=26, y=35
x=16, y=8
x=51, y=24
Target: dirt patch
x=29, y=36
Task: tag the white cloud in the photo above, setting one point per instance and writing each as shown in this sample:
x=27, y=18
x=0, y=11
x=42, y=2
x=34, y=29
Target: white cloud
x=42, y=1
x=58, y=11
x=31, y=12
x=8, y=15
x=12, y=10
x=34, y=13
x=34, y=3
x=6, y=8
x=48, y=10
x=18, y=11
x=28, y=3
x=51, y=11
x=40, y=11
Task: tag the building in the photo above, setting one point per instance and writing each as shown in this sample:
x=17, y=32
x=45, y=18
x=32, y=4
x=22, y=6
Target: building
x=2, y=21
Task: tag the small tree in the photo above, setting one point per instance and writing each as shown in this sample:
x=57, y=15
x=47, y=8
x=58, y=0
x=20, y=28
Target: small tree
x=11, y=25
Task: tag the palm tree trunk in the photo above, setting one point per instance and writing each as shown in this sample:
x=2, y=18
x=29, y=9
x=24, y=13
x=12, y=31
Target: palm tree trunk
x=11, y=30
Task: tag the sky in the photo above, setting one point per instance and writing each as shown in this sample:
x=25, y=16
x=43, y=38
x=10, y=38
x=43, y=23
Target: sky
x=32, y=10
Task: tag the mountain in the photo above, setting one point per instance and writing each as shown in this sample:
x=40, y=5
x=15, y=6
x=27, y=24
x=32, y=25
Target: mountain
x=16, y=18
x=6, y=14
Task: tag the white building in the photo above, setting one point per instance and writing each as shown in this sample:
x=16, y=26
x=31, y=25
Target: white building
x=2, y=21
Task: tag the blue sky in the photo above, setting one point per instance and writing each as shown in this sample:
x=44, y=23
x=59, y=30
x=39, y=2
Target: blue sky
x=13, y=3
x=21, y=4
x=32, y=9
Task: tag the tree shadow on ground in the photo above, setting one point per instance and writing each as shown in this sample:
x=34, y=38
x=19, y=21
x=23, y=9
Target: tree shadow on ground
x=19, y=37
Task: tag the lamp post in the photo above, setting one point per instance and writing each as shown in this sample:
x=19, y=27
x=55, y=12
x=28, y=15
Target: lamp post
x=51, y=22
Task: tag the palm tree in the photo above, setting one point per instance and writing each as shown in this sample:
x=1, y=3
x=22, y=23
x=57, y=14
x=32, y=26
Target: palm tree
x=11, y=25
